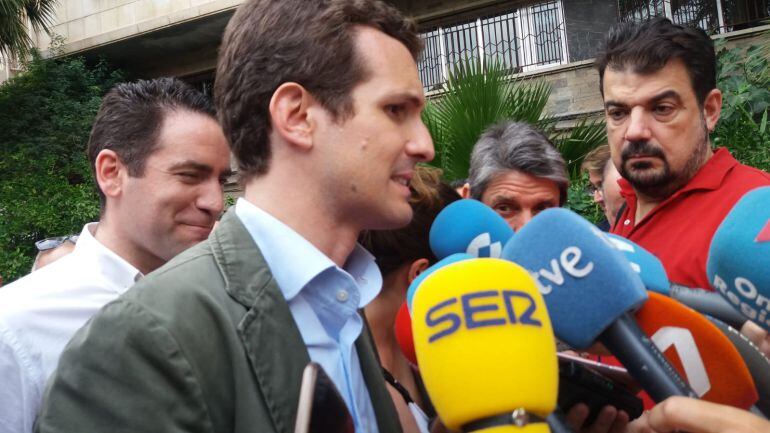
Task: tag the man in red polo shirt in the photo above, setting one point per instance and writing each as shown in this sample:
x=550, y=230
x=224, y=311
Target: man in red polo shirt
x=658, y=81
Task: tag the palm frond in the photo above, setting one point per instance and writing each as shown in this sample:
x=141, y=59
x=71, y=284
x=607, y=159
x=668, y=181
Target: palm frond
x=14, y=37
x=581, y=139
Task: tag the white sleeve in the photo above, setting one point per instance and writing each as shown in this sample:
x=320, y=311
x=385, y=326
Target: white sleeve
x=20, y=393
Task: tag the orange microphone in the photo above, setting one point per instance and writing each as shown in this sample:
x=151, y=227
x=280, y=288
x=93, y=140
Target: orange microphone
x=701, y=354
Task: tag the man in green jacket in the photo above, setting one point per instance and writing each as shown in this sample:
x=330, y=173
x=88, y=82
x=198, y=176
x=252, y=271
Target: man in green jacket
x=320, y=102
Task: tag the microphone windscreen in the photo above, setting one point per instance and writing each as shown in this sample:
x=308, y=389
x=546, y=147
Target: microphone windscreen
x=471, y=227
x=739, y=257
x=649, y=267
x=756, y=362
x=586, y=283
x=404, y=338
x=484, y=342
x=412, y=289
x=699, y=352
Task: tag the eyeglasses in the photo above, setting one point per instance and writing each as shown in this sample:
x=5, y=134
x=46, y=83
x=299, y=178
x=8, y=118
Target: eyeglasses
x=51, y=243
x=592, y=189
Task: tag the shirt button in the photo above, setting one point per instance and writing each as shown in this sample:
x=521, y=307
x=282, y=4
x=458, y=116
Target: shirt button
x=626, y=222
x=342, y=296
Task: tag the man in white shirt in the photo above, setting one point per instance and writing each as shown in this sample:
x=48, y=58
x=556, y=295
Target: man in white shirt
x=159, y=159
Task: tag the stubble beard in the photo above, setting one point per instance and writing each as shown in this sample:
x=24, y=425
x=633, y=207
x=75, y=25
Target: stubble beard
x=661, y=183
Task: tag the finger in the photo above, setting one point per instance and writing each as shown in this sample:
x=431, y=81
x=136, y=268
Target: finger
x=698, y=416
x=640, y=425
x=621, y=422
x=577, y=416
x=603, y=421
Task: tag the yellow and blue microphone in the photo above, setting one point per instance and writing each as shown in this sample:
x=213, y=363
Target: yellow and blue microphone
x=485, y=347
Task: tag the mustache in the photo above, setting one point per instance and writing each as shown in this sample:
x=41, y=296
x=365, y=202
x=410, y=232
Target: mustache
x=636, y=148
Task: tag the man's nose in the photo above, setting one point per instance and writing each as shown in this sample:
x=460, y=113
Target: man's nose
x=420, y=146
x=211, y=198
x=521, y=219
x=598, y=195
x=638, y=125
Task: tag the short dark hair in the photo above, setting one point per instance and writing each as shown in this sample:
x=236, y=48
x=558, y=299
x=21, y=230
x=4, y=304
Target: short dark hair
x=648, y=46
x=393, y=248
x=517, y=146
x=131, y=116
x=270, y=42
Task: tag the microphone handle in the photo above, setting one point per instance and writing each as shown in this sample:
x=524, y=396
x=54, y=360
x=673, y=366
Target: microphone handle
x=710, y=303
x=626, y=341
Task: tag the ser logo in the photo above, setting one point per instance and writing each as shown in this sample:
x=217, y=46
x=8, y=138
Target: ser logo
x=482, y=246
x=482, y=309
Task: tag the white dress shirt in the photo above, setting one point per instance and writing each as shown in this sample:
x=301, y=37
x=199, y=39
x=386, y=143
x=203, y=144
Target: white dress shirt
x=324, y=300
x=40, y=312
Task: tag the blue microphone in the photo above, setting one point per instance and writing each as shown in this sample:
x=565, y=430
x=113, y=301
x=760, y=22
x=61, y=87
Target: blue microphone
x=424, y=274
x=655, y=279
x=471, y=227
x=649, y=267
x=589, y=288
x=738, y=265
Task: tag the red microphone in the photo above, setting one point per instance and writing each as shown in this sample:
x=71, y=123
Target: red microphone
x=701, y=354
x=404, y=333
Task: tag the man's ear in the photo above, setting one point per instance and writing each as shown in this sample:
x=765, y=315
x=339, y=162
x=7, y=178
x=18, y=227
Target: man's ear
x=110, y=173
x=289, y=115
x=465, y=190
x=712, y=107
x=416, y=268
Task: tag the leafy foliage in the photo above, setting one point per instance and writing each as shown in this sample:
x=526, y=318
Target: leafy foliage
x=46, y=187
x=14, y=37
x=478, y=97
x=744, y=78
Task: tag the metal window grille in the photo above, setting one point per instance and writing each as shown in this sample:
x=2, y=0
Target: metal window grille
x=520, y=39
x=713, y=16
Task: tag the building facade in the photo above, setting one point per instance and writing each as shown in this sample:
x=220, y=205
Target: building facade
x=554, y=40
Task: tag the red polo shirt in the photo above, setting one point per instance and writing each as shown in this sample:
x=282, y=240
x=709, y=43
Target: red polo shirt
x=679, y=230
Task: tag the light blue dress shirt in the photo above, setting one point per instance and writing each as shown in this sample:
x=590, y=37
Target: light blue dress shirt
x=324, y=300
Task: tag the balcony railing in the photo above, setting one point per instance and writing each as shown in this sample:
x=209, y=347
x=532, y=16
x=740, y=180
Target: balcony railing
x=713, y=16
x=521, y=39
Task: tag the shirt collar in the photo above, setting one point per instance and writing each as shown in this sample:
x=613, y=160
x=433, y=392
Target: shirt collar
x=294, y=261
x=109, y=264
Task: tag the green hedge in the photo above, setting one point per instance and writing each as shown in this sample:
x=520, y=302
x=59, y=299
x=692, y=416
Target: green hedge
x=46, y=187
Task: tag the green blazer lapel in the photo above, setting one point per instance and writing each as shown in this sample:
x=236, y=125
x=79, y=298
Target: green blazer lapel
x=384, y=410
x=269, y=334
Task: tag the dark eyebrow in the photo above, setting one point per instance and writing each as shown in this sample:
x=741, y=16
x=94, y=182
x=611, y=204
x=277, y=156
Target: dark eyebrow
x=665, y=95
x=197, y=166
x=192, y=165
x=655, y=99
x=410, y=97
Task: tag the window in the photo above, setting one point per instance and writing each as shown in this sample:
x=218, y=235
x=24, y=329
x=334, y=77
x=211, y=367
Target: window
x=521, y=39
x=713, y=16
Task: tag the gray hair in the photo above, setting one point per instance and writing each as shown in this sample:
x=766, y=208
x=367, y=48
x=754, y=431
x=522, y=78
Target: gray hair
x=518, y=146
